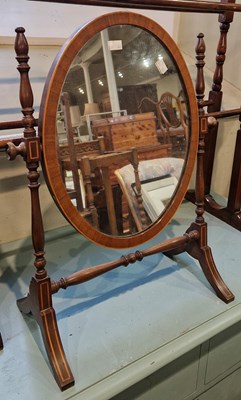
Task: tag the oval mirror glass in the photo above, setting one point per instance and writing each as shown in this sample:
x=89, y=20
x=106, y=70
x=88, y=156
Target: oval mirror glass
x=118, y=122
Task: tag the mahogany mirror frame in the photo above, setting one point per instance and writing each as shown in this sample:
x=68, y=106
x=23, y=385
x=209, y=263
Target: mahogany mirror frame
x=47, y=127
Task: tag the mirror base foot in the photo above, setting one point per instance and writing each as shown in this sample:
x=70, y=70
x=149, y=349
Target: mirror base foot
x=199, y=250
x=203, y=254
x=39, y=304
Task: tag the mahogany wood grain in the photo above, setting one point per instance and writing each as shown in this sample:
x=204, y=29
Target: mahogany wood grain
x=15, y=124
x=168, y=5
x=200, y=249
x=38, y=301
x=203, y=129
x=97, y=270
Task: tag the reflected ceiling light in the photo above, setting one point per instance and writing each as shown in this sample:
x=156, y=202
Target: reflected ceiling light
x=100, y=82
x=120, y=74
x=81, y=90
x=146, y=62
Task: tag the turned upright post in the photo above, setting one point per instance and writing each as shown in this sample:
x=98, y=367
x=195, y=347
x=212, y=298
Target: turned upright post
x=38, y=302
x=200, y=249
x=203, y=128
x=216, y=94
x=32, y=150
x=72, y=153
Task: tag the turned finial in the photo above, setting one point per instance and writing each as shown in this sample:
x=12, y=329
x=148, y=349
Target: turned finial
x=25, y=92
x=21, y=44
x=200, y=83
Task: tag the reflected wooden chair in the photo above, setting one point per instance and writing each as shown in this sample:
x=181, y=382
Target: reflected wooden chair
x=170, y=120
x=70, y=153
x=174, y=122
x=149, y=171
x=182, y=98
x=146, y=105
x=172, y=114
x=105, y=164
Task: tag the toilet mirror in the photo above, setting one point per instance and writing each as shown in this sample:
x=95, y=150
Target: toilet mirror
x=119, y=129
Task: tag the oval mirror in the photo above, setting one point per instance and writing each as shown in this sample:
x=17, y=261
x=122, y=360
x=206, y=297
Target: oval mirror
x=119, y=128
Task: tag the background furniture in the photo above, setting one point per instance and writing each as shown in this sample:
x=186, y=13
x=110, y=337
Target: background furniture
x=231, y=212
x=137, y=130
x=104, y=163
x=148, y=170
x=91, y=184
x=171, y=124
x=171, y=111
x=70, y=155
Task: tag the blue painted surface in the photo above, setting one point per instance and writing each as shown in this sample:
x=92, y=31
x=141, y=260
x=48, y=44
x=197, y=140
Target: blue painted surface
x=119, y=327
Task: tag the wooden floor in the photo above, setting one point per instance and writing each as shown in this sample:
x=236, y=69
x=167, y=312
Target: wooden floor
x=121, y=326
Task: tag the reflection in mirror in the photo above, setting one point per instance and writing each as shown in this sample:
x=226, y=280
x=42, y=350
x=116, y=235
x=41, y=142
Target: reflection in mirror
x=122, y=130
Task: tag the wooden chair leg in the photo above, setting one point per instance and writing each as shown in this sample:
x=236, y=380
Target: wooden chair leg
x=39, y=304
